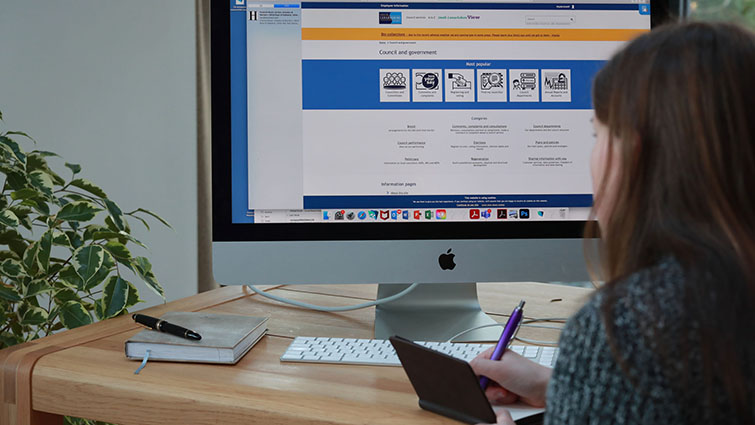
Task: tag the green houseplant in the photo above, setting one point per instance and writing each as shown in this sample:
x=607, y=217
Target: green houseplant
x=65, y=247
x=742, y=11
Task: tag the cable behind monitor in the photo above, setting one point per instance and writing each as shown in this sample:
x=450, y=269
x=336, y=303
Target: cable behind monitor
x=334, y=309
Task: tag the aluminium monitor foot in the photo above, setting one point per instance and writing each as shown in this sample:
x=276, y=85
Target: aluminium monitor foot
x=434, y=312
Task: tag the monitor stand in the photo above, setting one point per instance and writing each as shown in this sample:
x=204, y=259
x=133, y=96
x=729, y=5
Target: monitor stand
x=433, y=312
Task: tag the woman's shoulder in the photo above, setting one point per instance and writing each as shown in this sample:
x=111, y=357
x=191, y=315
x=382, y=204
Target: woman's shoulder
x=650, y=297
x=633, y=315
x=589, y=379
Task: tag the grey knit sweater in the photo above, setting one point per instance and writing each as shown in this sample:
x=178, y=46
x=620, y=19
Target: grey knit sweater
x=589, y=387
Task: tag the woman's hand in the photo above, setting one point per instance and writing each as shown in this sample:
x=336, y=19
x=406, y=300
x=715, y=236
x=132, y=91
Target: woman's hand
x=512, y=378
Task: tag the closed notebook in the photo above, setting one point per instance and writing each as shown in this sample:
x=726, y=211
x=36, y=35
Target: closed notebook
x=225, y=338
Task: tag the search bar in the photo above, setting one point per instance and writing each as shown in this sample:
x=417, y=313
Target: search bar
x=550, y=21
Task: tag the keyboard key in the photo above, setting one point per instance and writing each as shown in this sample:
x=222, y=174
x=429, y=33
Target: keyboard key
x=291, y=357
x=333, y=357
x=298, y=348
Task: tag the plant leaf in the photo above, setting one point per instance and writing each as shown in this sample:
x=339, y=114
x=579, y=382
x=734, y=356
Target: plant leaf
x=78, y=211
x=99, y=310
x=119, y=251
x=15, y=180
x=75, y=239
x=144, y=222
x=7, y=218
x=74, y=197
x=10, y=153
x=61, y=239
x=24, y=193
x=45, y=247
x=114, y=296
x=42, y=181
x=73, y=314
x=86, y=261
x=75, y=168
x=45, y=154
x=69, y=277
x=92, y=229
x=8, y=339
x=32, y=315
x=56, y=265
x=12, y=268
x=20, y=211
x=26, y=222
x=29, y=259
x=116, y=214
x=133, y=296
x=89, y=187
x=9, y=294
x=107, y=266
x=4, y=255
x=66, y=294
x=17, y=248
x=21, y=133
x=8, y=167
x=36, y=287
x=36, y=161
x=112, y=227
x=9, y=235
x=38, y=203
x=160, y=219
x=119, y=236
x=143, y=268
x=17, y=152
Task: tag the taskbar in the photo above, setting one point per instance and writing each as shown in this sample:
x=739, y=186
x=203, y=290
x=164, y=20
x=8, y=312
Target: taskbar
x=419, y=215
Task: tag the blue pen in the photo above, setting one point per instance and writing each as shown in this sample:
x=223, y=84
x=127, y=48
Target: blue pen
x=508, y=333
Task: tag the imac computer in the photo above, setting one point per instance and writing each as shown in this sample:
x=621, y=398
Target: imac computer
x=441, y=142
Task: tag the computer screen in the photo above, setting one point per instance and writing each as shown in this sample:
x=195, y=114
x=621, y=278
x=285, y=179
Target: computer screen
x=399, y=142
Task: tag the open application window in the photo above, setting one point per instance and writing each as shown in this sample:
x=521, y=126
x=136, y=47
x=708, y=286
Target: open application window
x=430, y=111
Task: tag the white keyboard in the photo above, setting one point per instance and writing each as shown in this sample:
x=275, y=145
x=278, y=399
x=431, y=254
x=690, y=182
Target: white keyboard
x=379, y=352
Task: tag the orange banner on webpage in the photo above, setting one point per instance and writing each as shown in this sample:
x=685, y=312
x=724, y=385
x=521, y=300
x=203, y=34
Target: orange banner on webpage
x=475, y=34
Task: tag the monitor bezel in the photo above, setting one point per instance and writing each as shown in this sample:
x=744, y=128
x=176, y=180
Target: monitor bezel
x=224, y=230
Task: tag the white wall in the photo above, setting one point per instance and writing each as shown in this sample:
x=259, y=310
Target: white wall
x=110, y=84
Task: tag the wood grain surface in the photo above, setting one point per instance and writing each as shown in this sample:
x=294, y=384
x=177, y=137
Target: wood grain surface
x=84, y=372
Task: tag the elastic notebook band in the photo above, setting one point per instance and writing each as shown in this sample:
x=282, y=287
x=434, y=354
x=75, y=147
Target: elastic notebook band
x=144, y=363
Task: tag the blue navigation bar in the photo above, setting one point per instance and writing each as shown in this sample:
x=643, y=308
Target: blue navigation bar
x=447, y=201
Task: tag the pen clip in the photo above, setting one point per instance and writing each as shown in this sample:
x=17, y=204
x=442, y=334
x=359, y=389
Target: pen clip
x=520, y=307
x=516, y=331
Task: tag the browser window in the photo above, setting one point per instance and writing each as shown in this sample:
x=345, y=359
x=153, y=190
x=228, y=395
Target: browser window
x=479, y=109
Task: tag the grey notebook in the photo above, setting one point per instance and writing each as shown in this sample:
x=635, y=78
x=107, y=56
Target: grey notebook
x=225, y=338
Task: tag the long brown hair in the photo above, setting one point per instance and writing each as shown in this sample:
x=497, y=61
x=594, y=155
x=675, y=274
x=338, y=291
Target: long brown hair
x=680, y=106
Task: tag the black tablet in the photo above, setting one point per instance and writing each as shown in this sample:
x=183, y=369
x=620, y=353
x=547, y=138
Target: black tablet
x=448, y=386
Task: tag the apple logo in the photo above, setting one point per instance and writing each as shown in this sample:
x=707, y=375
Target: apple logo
x=446, y=260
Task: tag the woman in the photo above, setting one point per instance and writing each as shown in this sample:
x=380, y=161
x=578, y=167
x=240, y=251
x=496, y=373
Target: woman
x=670, y=337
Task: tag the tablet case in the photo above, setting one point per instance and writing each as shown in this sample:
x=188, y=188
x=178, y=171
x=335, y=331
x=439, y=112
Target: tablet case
x=446, y=385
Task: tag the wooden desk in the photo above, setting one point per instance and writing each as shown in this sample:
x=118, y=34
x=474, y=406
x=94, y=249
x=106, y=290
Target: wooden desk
x=84, y=373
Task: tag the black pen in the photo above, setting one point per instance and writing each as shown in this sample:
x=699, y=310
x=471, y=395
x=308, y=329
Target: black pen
x=163, y=326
